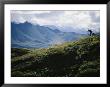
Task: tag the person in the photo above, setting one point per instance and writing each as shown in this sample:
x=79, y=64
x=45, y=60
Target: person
x=90, y=32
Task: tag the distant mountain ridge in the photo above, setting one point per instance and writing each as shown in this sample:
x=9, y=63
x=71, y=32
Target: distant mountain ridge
x=27, y=35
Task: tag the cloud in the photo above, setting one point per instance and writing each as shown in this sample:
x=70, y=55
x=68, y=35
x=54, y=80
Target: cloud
x=75, y=19
x=41, y=17
x=95, y=16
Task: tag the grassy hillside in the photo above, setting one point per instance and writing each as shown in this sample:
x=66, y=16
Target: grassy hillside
x=74, y=59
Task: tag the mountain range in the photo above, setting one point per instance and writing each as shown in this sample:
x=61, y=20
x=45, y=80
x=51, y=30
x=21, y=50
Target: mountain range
x=27, y=35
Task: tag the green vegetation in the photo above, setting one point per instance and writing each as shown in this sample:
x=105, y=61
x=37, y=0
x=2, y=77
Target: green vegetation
x=74, y=59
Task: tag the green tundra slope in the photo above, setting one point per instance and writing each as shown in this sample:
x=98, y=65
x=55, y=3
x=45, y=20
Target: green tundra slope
x=72, y=59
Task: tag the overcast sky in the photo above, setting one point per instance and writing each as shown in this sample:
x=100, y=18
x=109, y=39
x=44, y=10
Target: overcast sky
x=73, y=19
